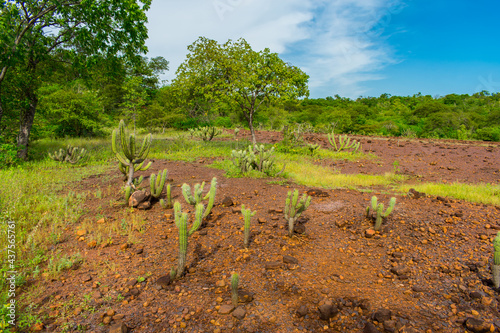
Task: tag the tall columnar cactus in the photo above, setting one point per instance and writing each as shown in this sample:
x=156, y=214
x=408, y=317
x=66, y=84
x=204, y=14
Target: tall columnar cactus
x=344, y=143
x=264, y=158
x=196, y=196
x=131, y=159
x=247, y=214
x=294, y=208
x=156, y=185
x=168, y=203
x=235, y=279
x=379, y=209
x=181, y=220
x=496, y=261
x=71, y=154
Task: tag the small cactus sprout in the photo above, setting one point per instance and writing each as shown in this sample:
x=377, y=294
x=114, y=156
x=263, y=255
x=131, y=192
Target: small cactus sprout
x=294, y=208
x=130, y=158
x=379, y=209
x=181, y=223
x=195, y=197
x=167, y=204
x=235, y=279
x=496, y=261
x=247, y=214
x=156, y=184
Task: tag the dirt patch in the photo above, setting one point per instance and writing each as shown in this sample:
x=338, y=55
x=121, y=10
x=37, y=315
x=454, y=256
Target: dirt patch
x=428, y=270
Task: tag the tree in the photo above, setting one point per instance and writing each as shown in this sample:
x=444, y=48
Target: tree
x=233, y=73
x=34, y=32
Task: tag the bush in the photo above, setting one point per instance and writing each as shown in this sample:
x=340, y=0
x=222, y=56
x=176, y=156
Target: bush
x=8, y=155
x=225, y=122
x=488, y=134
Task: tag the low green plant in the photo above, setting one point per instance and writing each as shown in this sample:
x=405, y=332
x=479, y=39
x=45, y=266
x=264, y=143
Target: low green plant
x=294, y=208
x=8, y=154
x=236, y=131
x=130, y=158
x=206, y=133
x=255, y=158
x=247, y=214
x=313, y=148
x=196, y=196
x=167, y=204
x=344, y=142
x=496, y=261
x=235, y=279
x=72, y=155
x=181, y=220
x=156, y=184
x=379, y=209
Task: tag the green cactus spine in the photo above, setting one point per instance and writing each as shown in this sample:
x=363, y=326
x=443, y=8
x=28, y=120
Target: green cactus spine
x=235, y=279
x=181, y=223
x=247, y=214
x=496, y=261
x=128, y=192
x=157, y=184
x=294, y=208
x=379, y=209
x=167, y=204
x=344, y=143
x=125, y=151
x=196, y=196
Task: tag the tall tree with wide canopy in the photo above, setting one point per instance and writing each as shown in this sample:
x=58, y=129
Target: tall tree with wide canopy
x=36, y=31
x=235, y=74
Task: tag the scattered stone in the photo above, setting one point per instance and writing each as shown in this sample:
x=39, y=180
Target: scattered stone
x=86, y=278
x=227, y=202
x=226, y=309
x=476, y=295
x=439, y=198
x=106, y=320
x=261, y=220
x=220, y=283
x=273, y=265
x=302, y=311
x=131, y=283
x=37, y=327
x=119, y=328
x=370, y=233
x=370, y=328
x=245, y=296
x=239, y=313
x=163, y=281
x=77, y=311
x=477, y=325
x=340, y=223
x=290, y=260
x=110, y=312
x=100, y=221
x=390, y=326
x=327, y=311
x=144, y=205
x=418, y=289
x=139, y=250
x=137, y=197
x=123, y=247
x=299, y=229
x=96, y=295
x=318, y=193
x=236, y=210
x=400, y=270
x=81, y=232
x=382, y=315
x=92, y=244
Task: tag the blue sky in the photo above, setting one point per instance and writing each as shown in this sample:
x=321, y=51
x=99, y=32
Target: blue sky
x=349, y=47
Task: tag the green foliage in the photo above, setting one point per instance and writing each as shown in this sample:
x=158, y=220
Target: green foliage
x=8, y=155
x=294, y=208
x=196, y=196
x=72, y=155
x=130, y=158
x=235, y=279
x=247, y=214
x=181, y=220
x=379, y=209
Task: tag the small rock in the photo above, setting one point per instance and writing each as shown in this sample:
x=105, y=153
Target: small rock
x=119, y=328
x=92, y=244
x=400, y=270
x=382, y=315
x=226, y=309
x=139, y=250
x=37, y=327
x=86, y=278
x=299, y=229
x=106, y=320
x=370, y=233
x=137, y=197
x=290, y=260
x=370, y=328
x=245, y=296
x=110, y=312
x=272, y=265
x=418, y=289
x=327, y=311
x=163, y=281
x=81, y=232
x=261, y=220
x=476, y=295
x=77, y=311
x=302, y=311
x=236, y=210
x=144, y=205
x=100, y=221
x=220, y=283
x=227, y=202
x=390, y=326
x=131, y=283
x=123, y=247
x=96, y=295
x=340, y=223
x=477, y=325
x=239, y=313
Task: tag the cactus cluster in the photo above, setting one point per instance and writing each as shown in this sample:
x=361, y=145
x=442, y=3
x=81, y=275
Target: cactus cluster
x=156, y=184
x=130, y=158
x=379, y=209
x=496, y=261
x=196, y=196
x=344, y=143
x=254, y=158
x=206, y=133
x=313, y=148
x=294, y=208
x=181, y=221
x=236, y=131
x=71, y=154
x=247, y=215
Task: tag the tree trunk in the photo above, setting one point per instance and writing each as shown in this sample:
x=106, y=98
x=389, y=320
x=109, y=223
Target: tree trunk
x=27, y=118
x=250, y=125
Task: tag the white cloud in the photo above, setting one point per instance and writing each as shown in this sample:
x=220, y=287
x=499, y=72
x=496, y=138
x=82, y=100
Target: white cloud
x=338, y=43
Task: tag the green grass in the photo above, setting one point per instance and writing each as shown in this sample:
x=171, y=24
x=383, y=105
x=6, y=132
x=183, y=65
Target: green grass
x=479, y=193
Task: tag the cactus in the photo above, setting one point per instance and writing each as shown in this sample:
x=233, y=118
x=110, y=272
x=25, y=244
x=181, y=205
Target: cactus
x=235, y=279
x=496, y=261
x=247, y=214
x=254, y=158
x=294, y=208
x=236, y=131
x=167, y=204
x=128, y=192
x=344, y=143
x=156, y=184
x=71, y=155
x=181, y=223
x=195, y=197
x=131, y=159
x=313, y=147
x=243, y=159
x=379, y=209
x=137, y=181
x=264, y=158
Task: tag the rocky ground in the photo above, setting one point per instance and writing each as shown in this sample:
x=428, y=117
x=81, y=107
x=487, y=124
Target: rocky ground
x=427, y=270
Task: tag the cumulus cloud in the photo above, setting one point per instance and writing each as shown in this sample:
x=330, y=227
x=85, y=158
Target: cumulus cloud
x=339, y=43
